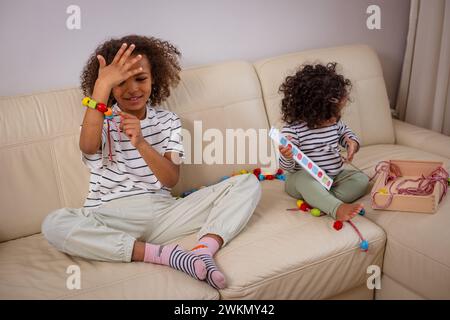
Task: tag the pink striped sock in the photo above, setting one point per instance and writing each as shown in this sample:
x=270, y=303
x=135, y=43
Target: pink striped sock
x=206, y=249
x=175, y=257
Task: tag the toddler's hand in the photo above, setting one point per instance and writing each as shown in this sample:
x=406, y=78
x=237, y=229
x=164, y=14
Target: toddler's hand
x=120, y=68
x=352, y=147
x=131, y=126
x=286, y=151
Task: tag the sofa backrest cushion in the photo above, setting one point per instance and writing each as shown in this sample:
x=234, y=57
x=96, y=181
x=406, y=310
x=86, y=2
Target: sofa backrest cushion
x=39, y=159
x=224, y=98
x=368, y=115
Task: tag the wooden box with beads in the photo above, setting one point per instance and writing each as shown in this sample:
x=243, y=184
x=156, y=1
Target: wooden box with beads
x=406, y=185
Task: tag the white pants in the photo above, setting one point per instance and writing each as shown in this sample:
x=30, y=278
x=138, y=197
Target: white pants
x=108, y=233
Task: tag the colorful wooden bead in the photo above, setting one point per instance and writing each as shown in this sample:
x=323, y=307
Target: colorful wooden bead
x=338, y=225
x=364, y=245
x=85, y=101
x=299, y=203
x=315, y=212
x=102, y=107
x=303, y=207
x=108, y=112
x=362, y=212
x=92, y=103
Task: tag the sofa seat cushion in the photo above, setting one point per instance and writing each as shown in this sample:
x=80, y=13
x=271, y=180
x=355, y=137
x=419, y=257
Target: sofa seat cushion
x=417, y=250
x=292, y=255
x=31, y=269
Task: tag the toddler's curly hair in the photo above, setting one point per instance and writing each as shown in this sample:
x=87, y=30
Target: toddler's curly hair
x=313, y=94
x=162, y=56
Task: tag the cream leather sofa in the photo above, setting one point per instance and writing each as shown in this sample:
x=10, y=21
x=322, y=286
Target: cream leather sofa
x=280, y=254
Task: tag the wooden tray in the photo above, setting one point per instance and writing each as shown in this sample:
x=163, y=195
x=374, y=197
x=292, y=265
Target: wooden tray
x=410, y=170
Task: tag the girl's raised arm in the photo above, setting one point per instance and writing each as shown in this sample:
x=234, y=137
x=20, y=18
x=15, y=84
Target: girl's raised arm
x=108, y=77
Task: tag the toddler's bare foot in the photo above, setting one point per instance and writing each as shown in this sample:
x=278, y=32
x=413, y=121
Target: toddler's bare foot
x=347, y=211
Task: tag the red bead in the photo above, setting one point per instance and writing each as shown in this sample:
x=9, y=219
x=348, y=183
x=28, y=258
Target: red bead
x=308, y=206
x=102, y=107
x=280, y=171
x=257, y=171
x=270, y=177
x=304, y=206
x=337, y=225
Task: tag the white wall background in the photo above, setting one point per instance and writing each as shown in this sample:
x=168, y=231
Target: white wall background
x=39, y=53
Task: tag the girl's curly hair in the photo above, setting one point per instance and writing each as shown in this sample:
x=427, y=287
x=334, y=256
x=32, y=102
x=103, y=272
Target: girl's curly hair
x=162, y=56
x=313, y=94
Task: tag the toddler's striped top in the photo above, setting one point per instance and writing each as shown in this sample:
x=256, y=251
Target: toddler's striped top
x=321, y=145
x=128, y=174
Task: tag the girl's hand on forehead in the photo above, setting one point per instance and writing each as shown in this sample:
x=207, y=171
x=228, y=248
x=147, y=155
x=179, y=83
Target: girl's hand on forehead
x=120, y=68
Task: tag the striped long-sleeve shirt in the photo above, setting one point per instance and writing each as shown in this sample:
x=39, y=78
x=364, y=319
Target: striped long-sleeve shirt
x=128, y=174
x=321, y=145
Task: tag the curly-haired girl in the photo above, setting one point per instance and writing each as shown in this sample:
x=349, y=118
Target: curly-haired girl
x=129, y=213
x=311, y=108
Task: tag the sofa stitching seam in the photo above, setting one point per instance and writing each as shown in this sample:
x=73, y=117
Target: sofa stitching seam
x=32, y=141
x=61, y=197
x=221, y=106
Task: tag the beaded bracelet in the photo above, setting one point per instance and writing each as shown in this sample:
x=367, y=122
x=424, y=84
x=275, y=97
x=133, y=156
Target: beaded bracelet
x=101, y=107
x=109, y=116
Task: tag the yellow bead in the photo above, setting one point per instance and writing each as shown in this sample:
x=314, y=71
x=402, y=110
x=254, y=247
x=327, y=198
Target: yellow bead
x=383, y=191
x=243, y=171
x=299, y=203
x=85, y=101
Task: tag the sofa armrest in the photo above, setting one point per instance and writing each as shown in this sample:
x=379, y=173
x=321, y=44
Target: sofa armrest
x=412, y=136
